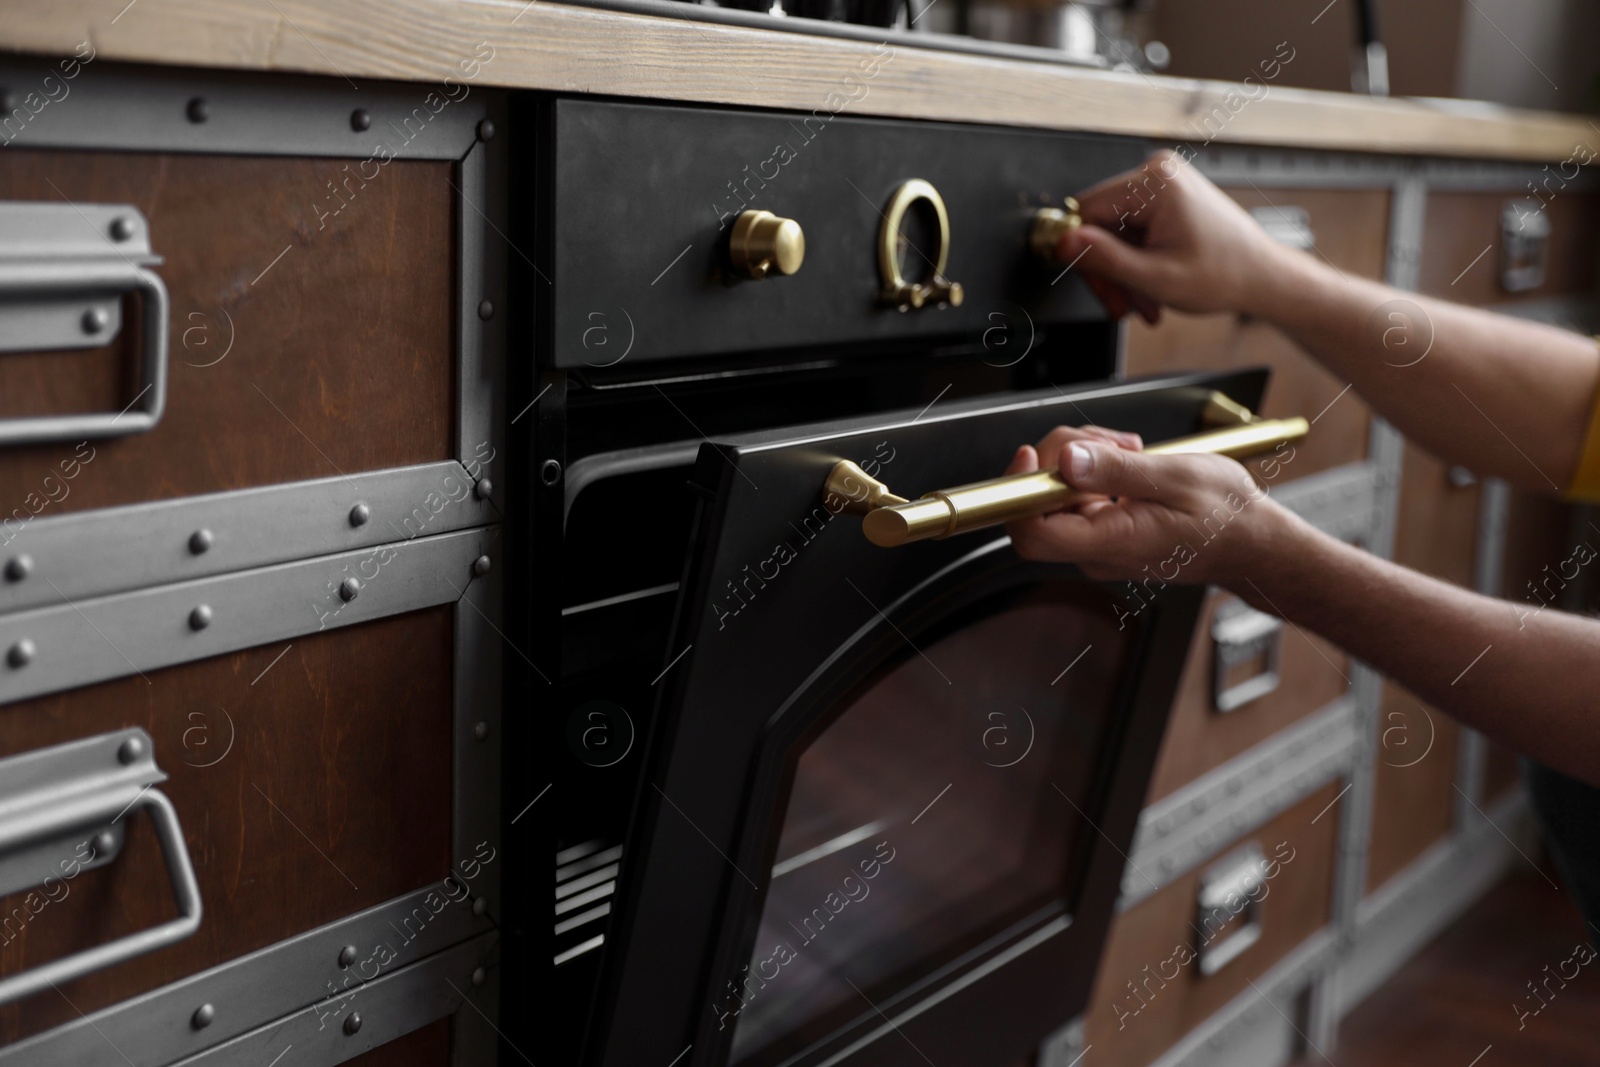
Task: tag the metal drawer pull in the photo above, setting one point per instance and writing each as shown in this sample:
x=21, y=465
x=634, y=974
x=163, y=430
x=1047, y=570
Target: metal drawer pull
x=63, y=270
x=890, y=521
x=56, y=802
x=1240, y=634
x=1232, y=886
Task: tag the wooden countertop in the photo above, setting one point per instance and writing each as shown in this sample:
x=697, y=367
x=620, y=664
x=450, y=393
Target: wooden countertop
x=542, y=45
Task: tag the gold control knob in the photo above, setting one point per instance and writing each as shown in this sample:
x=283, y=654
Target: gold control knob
x=763, y=243
x=1050, y=224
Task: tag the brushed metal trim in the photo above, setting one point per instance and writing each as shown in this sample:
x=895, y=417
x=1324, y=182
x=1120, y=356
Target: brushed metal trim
x=1179, y=831
x=79, y=642
x=251, y=990
x=1291, y=976
x=481, y=224
x=1342, y=502
x=389, y=1007
x=110, y=550
x=138, y=108
x=1298, y=169
x=1287, y=168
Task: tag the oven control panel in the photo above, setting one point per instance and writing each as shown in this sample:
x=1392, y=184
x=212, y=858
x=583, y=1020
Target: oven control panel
x=792, y=230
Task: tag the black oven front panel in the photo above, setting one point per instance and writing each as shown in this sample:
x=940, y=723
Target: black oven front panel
x=659, y=229
x=818, y=802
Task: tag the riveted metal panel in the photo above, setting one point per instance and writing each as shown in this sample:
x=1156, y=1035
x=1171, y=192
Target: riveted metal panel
x=107, y=105
x=74, y=643
x=92, y=553
x=253, y=990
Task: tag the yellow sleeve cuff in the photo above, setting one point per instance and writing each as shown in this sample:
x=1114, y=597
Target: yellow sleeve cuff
x=1585, y=485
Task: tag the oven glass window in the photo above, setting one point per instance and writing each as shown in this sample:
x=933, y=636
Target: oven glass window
x=944, y=805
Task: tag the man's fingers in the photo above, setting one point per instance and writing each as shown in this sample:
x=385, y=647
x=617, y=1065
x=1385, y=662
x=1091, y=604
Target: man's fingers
x=1024, y=461
x=1103, y=254
x=1111, y=295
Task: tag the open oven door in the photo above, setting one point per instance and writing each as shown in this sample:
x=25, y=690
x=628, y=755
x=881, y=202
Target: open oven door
x=891, y=790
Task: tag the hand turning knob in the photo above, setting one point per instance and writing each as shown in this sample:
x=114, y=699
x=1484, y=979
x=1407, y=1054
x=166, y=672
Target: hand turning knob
x=763, y=243
x=1049, y=226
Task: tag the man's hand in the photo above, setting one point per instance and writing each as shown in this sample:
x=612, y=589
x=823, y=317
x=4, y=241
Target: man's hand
x=1187, y=518
x=1163, y=234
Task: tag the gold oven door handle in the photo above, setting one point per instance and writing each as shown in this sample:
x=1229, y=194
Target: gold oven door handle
x=1001, y=500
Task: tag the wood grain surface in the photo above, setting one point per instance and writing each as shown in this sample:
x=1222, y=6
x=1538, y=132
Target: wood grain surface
x=308, y=789
x=427, y=1046
x=573, y=49
x=300, y=346
x=1298, y=903
x=1461, y=246
x=1312, y=674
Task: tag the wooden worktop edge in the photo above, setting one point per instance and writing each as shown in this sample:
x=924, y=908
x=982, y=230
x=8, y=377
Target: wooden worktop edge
x=574, y=49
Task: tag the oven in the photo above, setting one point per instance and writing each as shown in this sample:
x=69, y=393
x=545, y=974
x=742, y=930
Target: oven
x=816, y=800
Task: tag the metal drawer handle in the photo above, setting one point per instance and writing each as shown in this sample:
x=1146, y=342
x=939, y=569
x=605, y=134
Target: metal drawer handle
x=75, y=791
x=63, y=269
x=890, y=521
x=1240, y=633
x=1238, y=877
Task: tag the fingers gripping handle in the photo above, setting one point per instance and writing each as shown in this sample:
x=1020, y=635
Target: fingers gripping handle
x=997, y=501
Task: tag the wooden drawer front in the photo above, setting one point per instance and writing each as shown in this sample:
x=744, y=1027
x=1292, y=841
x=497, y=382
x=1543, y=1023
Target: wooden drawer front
x=427, y=1047
x=1351, y=231
x=1415, y=771
x=1312, y=673
x=1461, y=246
x=309, y=787
x=302, y=343
x=1413, y=789
x=1150, y=990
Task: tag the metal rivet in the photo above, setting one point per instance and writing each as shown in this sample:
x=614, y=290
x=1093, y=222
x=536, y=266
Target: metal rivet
x=486, y=310
x=94, y=320
x=130, y=750
x=360, y=120
x=480, y=906
x=200, y=541
x=21, y=653
x=349, y=589
x=122, y=228
x=197, y=110
x=200, y=617
x=480, y=566
x=479, y=976
x=481, y=731
x=104, y=842
x=202, y=1017
x=347, y=955
x=359, y=515
x=19, y=567
x=483, y=488
x=550, y=472
x=352, y=1022
x=485, y=130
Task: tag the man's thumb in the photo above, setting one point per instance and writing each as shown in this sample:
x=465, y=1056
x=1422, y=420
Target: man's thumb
x=1104, y=468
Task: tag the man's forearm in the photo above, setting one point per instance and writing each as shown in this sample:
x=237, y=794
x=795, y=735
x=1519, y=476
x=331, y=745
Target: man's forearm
x=1503, y=396
x=1528, y=677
